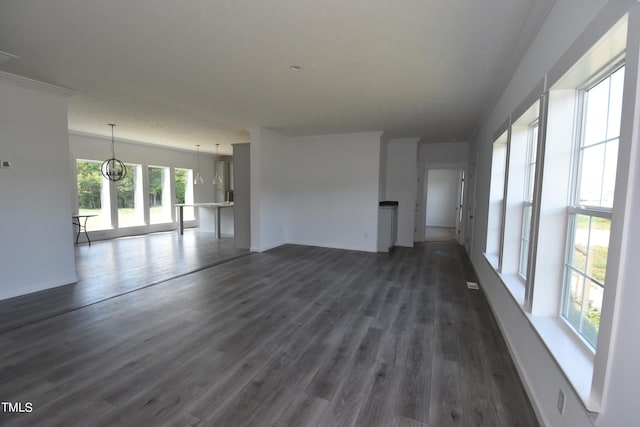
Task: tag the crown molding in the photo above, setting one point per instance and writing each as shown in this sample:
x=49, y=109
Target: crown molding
x=35, y=84
x=85, y=134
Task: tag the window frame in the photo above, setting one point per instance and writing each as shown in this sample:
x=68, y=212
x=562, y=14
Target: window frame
x=166, y=200
x=529, y=196
x=576, y=208
x=105, y=198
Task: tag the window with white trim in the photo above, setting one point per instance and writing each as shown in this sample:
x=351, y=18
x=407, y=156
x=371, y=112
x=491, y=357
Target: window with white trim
x=160, y=205
x=129, y=198
x=184, y=191
x=496, y=200
x=93, y=194
x=590, y=211
x=527, y=203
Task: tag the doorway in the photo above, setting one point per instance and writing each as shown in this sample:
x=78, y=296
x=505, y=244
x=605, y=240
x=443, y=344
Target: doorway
x=443, y=205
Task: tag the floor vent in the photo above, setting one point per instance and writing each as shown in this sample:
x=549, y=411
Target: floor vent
x=472, y=285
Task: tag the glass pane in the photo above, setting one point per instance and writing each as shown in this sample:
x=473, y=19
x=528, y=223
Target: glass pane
x=524, y=241
x=597, y=104
x=524, y=258
x=91, y=186
x=591, y=312
x=591, y=175
x=130, y=209
x=609, y=176
x=581, y=224
x=534, y=142
x=496, y=196
x=598, y=248
x=530, y=182
x=526, y=222
x=573, y=309
x=531, y=162
x=184, y=190
x=159, y=201
x=615, y=104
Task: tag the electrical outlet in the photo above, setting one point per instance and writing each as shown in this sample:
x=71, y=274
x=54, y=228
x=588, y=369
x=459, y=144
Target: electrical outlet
x=560, y=403
x=5, y=164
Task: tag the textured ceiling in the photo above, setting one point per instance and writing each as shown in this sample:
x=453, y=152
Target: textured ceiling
x=192, y=72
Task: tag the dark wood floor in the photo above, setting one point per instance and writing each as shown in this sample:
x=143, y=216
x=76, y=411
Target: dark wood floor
x=297, y=336
x=109, y=268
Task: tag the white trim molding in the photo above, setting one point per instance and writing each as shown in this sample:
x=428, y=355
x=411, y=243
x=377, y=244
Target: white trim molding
x=36, y=85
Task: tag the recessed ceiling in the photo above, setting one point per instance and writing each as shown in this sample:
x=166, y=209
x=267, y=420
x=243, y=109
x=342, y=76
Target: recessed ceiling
x=203, y=71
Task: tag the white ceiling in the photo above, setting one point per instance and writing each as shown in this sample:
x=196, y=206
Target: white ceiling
x=192, y=72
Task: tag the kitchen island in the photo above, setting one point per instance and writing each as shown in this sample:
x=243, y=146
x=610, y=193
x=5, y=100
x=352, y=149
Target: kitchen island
x=206, y=221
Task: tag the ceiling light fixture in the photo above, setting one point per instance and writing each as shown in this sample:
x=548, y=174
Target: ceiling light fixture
x=295, y=67
x=198, y=178
x=113, y=169
x=218, y=179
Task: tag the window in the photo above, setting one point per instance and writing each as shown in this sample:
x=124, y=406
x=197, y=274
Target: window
x=527, y=204
x=461, y=200
x=496, y=200
x=129, y=199
x=93, y=194
x=512, y=196
x=184, y=191
x=590, y=212
x=159, y=195
x=560, y=248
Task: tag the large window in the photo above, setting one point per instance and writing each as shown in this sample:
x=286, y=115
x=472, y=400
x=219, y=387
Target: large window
x=125, y=203
x=527, y=204
x=512, y=199
x=184, y=191
x=93, y=195
x=159, y=195
x=130, y=204
x=590, y=212
x=496, y=200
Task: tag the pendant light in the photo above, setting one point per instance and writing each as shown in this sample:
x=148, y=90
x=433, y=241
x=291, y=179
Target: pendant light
x=113, y=169
x=198, y=178
x=217, y=180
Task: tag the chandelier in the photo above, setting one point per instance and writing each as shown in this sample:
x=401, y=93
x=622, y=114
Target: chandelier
x=113, y=169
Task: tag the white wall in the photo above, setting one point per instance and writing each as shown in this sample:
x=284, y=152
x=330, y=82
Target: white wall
x=242, y=195
x=35, y=227
x=269, y=199
x=442, y=197
x=569, y=22
x=93, y=147
x=444, y=155
x=401, y=184
x=382, y=178
x=334, y=190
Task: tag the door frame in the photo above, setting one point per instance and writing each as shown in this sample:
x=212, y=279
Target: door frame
x=421, y=211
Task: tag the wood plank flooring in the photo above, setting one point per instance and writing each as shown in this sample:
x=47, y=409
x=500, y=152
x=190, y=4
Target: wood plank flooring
x=296, y=336
x=109, y=268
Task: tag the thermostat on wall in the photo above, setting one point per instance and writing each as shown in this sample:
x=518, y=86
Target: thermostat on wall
x=5, y=164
